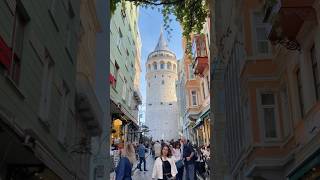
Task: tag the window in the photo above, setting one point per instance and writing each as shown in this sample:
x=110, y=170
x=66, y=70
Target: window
x=269, y=115
x=124, y=89
x=162, y=65
x=149, y=104
x=162, y=82
x=17, y=39
x=174, y=67
x=191, y=75
x=299, y=86
x=129, y=97
x=194, y=98
x=119, y=45
x=315, y=72
x=127, y=52
x=116, y=72
x=285, y=111
x=161, y=103
x=64, y=107
x=169, y=65
x=47, y=77
x=120, y=33
x=149, y=84
x=155, y=66
x=54, y=12
x=260, y=31
x=149, y=67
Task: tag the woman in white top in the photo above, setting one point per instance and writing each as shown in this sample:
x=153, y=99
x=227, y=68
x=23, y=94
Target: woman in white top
x=178, y=160
x=164, y=166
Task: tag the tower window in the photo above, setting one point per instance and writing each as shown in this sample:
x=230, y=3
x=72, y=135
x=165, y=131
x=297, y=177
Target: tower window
x=162, y=82
x=161, y=103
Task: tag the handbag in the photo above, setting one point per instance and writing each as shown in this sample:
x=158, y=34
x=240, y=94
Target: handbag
x=179, y=164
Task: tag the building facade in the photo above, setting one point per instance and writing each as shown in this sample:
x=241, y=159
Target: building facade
x=270, y=83
x=124, y=73
x=162, y=114
x=196, y=113
x=38, y=88
x=180, y=84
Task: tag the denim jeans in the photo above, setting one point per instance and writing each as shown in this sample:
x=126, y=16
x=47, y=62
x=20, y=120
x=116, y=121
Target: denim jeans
x=189, y=172
x=142, y=160
x=179, y=176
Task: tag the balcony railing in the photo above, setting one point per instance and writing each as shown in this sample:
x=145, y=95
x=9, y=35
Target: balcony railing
x=286, y=18
x=88, y=105
x=200, y=55
x=137, y=96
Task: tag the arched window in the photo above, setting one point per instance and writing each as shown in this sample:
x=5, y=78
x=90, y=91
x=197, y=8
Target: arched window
x=155, y=66
x=169, y=65
x=149, y=67
x=161, y=65
x=174, y=67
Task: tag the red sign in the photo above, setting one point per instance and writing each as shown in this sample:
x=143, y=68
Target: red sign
x=5, y=54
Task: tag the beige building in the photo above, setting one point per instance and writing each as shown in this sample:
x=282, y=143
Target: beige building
x=196, y=123
x=270, y=124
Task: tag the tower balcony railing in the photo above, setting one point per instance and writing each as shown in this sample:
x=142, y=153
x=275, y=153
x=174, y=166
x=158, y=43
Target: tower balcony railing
x=200, y=55
x=286, y=18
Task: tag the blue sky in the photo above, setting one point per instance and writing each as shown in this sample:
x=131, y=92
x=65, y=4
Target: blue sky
x=150, y=22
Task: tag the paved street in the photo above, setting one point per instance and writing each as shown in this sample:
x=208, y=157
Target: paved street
x=144, y=175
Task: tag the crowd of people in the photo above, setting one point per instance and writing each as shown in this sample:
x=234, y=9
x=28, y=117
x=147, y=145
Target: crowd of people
x=173, y=160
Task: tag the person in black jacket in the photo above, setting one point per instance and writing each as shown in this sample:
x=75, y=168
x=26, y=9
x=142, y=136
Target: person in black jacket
x=188, y=156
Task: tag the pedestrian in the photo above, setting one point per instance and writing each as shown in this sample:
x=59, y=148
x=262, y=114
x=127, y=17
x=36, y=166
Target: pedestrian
x=178, y=160
x=164, y=167
x=188, y=156
x=124, y=168
x=142, y=156
x=157, y=149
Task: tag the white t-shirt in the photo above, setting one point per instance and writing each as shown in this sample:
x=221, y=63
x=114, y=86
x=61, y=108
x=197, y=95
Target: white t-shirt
x=176, y=154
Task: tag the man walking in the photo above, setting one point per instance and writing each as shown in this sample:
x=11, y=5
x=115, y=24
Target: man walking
x=189, y=161
x=142, y=156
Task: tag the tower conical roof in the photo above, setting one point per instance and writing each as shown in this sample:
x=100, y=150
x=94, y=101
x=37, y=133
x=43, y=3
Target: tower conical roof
x=162, y=44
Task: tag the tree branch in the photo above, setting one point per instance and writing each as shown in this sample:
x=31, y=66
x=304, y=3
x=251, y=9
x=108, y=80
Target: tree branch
x=156, y=3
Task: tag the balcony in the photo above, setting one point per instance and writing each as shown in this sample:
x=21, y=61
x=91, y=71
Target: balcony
x=137, y=96
x=286, y=18
x=200, y=55
x=88, y=105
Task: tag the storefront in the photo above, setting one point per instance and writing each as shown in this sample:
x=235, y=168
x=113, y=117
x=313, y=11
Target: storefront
x=22, y=157
x=308, y=170
x=202, y=129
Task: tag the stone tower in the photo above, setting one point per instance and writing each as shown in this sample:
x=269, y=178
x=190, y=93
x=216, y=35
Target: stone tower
x=161, y=102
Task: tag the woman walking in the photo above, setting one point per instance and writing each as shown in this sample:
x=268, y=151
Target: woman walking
x=128, y=158
x=164, y=167
x=178, y=160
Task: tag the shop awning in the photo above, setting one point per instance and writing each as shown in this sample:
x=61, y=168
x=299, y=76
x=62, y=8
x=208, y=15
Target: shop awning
x=203, y=116
x=306, y=167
